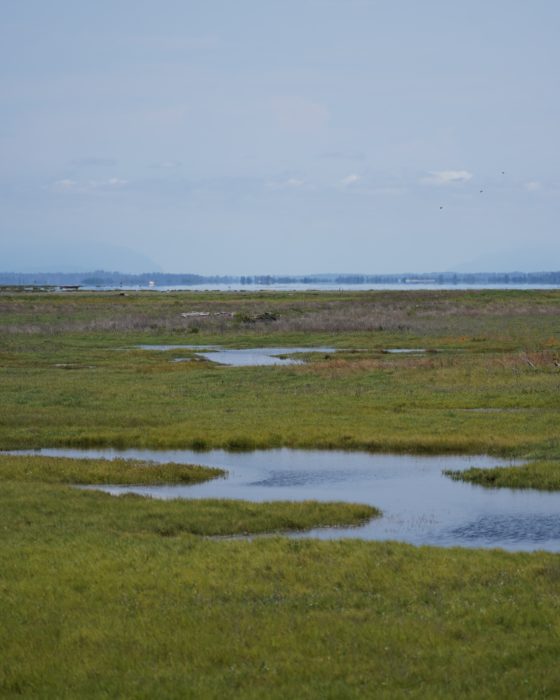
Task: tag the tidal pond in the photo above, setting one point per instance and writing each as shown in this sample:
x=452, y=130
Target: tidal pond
x=246, y=357
x=420, y=505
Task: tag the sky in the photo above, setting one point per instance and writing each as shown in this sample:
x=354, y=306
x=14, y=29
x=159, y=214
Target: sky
x=279, y=136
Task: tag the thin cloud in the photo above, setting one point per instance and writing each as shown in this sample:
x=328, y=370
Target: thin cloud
x=349, y=180
x=112, y=182
x=65, y=185
x=73, y=186
x=446, y=177
x=288, y=183
x=533, y=186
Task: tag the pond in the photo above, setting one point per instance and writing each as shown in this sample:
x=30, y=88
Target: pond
x=247, y=357
x=419, y=504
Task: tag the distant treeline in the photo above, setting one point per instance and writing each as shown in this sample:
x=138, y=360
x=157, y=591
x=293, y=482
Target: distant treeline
x=103, y=278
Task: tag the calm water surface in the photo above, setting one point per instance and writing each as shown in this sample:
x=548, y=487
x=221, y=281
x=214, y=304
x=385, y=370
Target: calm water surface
x=313, y=287
x=419, y=504
x=247, y=357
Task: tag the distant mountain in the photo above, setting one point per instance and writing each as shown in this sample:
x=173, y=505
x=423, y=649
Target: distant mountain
x=33, y=254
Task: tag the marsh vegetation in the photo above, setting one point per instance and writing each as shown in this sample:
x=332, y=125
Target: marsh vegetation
x=542, y=474
x=124, y=597
x=420, y=504
x=490, y=387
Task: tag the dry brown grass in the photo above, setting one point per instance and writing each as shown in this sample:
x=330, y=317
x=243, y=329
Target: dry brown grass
x=535, y=360
x=414, y=312
x=335, y=366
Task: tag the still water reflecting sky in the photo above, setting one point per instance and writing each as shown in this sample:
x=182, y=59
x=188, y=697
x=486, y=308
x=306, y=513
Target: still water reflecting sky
x=246, y=357
x=419, y=504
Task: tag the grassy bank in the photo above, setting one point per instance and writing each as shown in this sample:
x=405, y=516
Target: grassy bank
x=61, y=470
x=542, y=475
x=66, y=512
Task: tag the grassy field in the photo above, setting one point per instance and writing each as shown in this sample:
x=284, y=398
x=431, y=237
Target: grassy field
x=72, y=372
x=100, y=600
x=127, y=597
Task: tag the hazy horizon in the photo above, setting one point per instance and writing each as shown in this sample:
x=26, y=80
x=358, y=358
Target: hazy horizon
x=252, y=276
x=280, y=138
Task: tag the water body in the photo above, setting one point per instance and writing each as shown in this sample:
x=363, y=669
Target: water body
x=318, y=287
x=419, y=504
x=249, y=357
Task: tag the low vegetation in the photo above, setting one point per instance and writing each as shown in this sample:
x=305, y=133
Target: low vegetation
x=543, y=475
x=72, y=372
x=132, y=597
x=61, y=470
x=114, y=597
x=67, y=510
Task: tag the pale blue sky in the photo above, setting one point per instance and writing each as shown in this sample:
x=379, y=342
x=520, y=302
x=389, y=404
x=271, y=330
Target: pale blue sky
x=279, y=136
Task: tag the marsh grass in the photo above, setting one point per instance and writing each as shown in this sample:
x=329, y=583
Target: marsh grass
x=63, y=470
x=478, y=314
x=456, y=400
x=58, y=508
x=114, y=597
x=125, y=597
x=541, y=475
x=37, y=476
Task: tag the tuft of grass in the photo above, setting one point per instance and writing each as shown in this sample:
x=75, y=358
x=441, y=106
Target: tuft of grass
x=543, y=475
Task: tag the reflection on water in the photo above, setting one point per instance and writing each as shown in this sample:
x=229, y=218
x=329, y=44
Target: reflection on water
x=419, y=504
x=247, y=357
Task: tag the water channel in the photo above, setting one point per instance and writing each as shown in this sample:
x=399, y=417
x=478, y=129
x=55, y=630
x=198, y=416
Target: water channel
x=420, y=505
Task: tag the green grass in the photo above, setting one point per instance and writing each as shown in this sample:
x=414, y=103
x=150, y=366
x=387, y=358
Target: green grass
x=456, y=400
x=101, y=471
x=542, y=475
x=100, y=597
x=66, y=512
x=128, y=597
